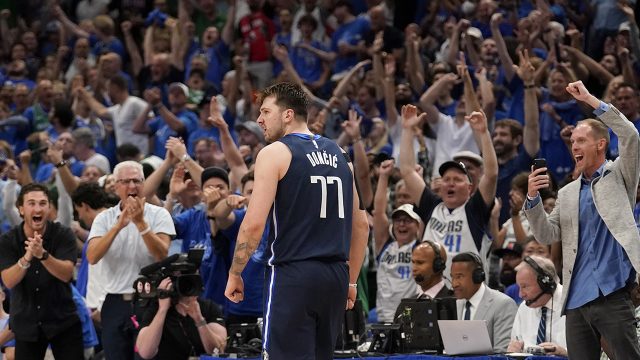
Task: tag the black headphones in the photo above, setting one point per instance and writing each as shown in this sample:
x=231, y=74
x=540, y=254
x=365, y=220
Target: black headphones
x=438, y=263
x=478, y=275
x=545, y=280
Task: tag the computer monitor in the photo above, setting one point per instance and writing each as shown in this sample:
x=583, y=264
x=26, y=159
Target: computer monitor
x=418, y=320
x=353, y=328
x=240, y=335
x=386, y=339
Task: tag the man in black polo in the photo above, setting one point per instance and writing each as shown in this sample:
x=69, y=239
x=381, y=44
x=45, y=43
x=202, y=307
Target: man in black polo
x=37, y=259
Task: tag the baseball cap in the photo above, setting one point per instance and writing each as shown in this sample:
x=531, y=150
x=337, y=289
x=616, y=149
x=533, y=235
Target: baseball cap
x=469, y=155
x=475, y=32
x=181, y=86
x=625, y=26
x=214, y=172
x=407, y=209
x=380, y=157
x=453, y=164
x=510, y=248
x=252, y=127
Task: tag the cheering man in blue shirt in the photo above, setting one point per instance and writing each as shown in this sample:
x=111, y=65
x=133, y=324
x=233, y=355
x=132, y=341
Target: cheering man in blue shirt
x=594, y=220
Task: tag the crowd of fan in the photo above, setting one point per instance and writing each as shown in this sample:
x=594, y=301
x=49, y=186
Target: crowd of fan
x=86, y=85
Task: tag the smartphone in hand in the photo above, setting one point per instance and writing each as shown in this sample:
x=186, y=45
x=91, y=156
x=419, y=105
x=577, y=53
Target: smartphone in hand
x=540, y=163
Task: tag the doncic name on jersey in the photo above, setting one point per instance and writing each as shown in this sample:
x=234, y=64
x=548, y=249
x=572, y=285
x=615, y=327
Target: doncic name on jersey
x=322, y=158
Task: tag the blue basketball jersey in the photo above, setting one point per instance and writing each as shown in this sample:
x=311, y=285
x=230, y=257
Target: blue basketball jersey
x=312, y=212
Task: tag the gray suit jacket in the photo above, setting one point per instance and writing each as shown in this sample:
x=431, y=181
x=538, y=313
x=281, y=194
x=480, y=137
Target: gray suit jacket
x=499, y=311
x=614, y=195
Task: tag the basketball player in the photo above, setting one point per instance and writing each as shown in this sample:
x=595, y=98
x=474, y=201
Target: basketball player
x=304, y=186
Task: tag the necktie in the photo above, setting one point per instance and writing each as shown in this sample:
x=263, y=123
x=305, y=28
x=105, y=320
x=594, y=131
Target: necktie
x=467, y=311
x=542, y=327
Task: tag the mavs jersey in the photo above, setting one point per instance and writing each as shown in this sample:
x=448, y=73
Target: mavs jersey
x=394, y=279
x=312, y=211
x=459, y=230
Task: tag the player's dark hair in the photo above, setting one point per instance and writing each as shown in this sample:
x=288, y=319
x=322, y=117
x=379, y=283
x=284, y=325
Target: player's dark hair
x=288, y=96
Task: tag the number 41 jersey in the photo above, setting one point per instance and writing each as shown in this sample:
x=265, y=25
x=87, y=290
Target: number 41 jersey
x=312, y=212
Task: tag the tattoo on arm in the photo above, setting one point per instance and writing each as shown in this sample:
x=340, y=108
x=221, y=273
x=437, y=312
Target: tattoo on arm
x=240, y=258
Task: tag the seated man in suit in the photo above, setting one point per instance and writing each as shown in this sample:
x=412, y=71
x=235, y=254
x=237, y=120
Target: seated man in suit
x=428, y=261
x=478, y=302
x=539, y=320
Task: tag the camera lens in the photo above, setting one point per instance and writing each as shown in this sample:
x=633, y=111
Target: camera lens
x=189, y=285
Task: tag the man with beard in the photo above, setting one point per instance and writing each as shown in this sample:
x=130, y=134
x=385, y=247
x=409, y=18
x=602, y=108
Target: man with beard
x=37, y=259
x=625, y=98
x=511, y=256
x=509, y=134
x=124, y=239
x=428, y=261
x=215, y=48
x=173, y=121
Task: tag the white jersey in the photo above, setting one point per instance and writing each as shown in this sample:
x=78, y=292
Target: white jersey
x=453, y=228
x=394, y=278
x=124, y=116
x=452, y=138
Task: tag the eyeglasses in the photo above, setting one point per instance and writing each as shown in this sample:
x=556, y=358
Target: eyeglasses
x=128, y=181
x=403, y=220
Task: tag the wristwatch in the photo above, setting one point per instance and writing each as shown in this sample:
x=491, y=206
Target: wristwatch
x=61, y=164
x=185, y=158
x=45, y=255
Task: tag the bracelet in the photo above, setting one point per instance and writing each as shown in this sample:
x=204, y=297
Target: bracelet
x=530, y=86
x=202, y=323
x=356, y=140
x=22, y=266
x=145, y=231
x=355, y=286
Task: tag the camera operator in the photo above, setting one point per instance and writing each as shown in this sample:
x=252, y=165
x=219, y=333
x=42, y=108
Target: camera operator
x=180, y=327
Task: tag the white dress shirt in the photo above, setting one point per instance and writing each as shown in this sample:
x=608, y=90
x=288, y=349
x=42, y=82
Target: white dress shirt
x=525, y=325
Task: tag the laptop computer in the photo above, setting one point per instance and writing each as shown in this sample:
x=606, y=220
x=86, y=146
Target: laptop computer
x=463, y=337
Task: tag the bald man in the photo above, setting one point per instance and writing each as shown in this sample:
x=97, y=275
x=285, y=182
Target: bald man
x=428, y=261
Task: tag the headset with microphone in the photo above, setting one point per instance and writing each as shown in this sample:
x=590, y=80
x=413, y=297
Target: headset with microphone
x=545, y=281
x=439, y=265
x=478, y=276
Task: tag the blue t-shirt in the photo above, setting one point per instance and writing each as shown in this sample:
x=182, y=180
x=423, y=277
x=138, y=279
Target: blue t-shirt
x=193, y=228
x=506, y=172
x=513, y=291
x=89, y=336
x=212, y=133
x=307, y=64
x=351, y=33
x=252, y=275
x=99, y=47
x=162, y=131
x=45, y=171
x=552, y=147
x=612, y=152
x=218, y=63
x=281, y=39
